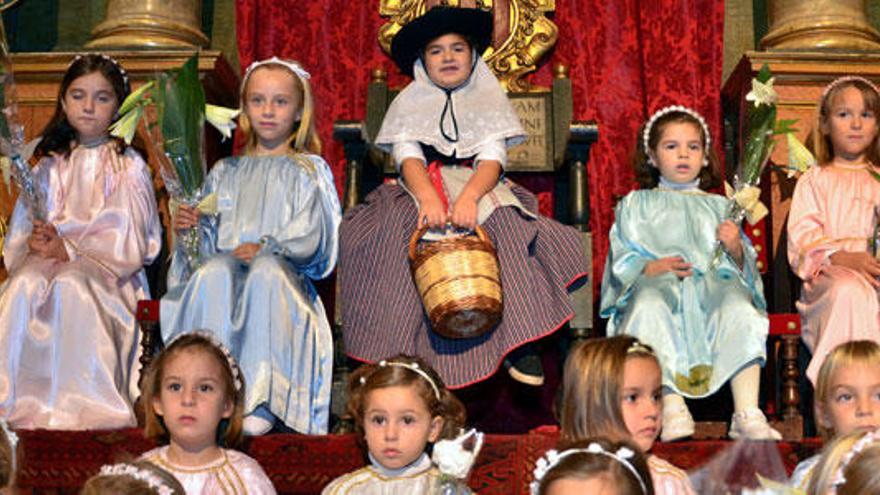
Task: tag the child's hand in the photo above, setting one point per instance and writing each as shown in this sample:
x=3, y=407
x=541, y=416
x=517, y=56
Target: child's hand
x=431, y=211
x=861, y=262
x=186, y=218
x=728, y=234
x=464, y=213
x=45, y=241
x=246, y=251
x=674, y=264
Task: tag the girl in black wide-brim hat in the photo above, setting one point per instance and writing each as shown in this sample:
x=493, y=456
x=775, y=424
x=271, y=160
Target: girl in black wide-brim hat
x=448, y=132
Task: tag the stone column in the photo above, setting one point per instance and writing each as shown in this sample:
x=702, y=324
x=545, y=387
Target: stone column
x=820, y=24
x=150, y=24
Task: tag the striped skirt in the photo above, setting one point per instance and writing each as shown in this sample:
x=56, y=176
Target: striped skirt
x=382, y=313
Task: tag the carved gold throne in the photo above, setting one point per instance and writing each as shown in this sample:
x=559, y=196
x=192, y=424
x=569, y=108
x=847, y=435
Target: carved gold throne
x=555, y=145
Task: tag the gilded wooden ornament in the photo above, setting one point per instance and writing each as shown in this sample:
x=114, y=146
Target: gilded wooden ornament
x=5, y=4
x=523, y=35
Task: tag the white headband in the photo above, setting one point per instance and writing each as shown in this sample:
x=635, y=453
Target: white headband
x=866, y=440
x=554, y=457
x=147, y=477
x=112, y=61
x=13, y=444
x=414, y=367
x=289, y=64
x=211, y=337
x=646, y=134
x=845, y=79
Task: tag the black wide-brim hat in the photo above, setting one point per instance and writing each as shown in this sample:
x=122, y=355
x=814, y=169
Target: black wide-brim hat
x=411, y=40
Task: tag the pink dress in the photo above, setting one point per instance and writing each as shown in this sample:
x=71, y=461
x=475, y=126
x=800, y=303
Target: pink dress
x=68, y=336
x=833, y=210
x=668, y=479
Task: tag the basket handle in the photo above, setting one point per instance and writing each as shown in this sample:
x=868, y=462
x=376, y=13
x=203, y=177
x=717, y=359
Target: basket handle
x=420, y=231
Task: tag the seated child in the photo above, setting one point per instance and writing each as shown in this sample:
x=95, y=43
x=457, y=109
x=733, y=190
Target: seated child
x=135, y=478
x=193, y=397
x=593, y=466
x=847, y=397
x=448, y=132
x=400, y=406
x=611, y=389
x=705, y=316
x=849, y=466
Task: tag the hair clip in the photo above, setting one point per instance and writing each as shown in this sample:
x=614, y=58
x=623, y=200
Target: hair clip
x=289, y=64
x=845, y=79
x=866, y=440
x=212, y=338
x=147, y=477
x=646, y=134
x=414, y=367
x=639, y=348
x=553, y=457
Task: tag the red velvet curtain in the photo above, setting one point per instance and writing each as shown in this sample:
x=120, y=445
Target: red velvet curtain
x=627, y=58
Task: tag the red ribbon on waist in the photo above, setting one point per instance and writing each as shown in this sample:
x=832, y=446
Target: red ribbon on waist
x=437, y=179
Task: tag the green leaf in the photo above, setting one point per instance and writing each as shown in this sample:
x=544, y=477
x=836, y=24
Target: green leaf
x=764, y=74
x=182, y=124
x=784, y=126
x=139, y=97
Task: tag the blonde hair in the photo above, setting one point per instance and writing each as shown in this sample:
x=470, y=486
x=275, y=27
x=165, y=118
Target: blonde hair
x=860, y=473
x=820, y=142
x=113, y=484
x=304, y=136
x=855, y=352
x=592, y=386
x=229, y=430
x=370, y=377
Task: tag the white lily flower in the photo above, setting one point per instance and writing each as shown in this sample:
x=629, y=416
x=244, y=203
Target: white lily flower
x=127, y=124
x=762, y=93
x=799, y=157
x=221, y=118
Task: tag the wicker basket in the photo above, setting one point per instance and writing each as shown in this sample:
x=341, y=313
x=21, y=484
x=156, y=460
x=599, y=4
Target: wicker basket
x=459, y=282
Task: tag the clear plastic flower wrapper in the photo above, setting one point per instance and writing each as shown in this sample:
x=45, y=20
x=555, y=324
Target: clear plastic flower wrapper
x=174, y=110
x=745, y=467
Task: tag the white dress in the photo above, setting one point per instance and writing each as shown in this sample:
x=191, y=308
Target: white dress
x=420, y=477
x=234, y=474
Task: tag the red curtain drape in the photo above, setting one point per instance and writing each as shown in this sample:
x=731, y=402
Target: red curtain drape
x=627, y=58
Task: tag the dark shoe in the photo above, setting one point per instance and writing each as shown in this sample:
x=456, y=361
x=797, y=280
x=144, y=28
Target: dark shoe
x=525, y=368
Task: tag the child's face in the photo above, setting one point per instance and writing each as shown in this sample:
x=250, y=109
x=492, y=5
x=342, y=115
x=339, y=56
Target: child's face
x=90, y=105
x=851, y=126
x=640, y=402
x=853, y=401
x=596, y=485
x=398, y=425
x=448, y=60
x=273, y=102
x=679, y=152
x=192, y=399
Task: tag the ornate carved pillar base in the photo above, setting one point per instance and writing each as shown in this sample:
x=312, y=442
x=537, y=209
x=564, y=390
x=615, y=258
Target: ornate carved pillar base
x=155, y=24
x=820, y=24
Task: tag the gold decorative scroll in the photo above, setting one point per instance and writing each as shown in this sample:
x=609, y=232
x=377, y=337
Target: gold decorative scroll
x=820, y=24
x=522, y=34
x=5, y=4
x=155, y=24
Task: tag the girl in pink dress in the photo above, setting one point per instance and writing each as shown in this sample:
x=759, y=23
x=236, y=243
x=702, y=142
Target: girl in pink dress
x=833, y=217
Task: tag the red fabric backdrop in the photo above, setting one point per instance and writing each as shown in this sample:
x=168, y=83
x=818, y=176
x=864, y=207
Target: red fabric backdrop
x=628, y=58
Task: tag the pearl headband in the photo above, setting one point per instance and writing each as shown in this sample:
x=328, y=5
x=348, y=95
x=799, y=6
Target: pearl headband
x=554, y=457
x=639, y=348
x=147, y=477
x=646, y=134
x=414, y=367
x=113, y=61
x=845, y=79
x=212, y=338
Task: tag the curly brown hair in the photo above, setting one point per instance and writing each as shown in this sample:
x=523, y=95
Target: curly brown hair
x=370, y=377
x=648, y=175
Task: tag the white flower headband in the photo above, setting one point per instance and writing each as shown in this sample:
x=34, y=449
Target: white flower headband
x=290, y=65
x=110, y=59
x=646, y=134
x=13, y=444
x=147, y=477
x=414, y=367
x=845, y=79
x=866, y=440
x=554, y=457
x=212, y=338
x=639, y=348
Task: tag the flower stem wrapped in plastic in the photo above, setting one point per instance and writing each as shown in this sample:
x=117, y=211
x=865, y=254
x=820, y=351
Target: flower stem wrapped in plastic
x=763, y=129
x=175, y=134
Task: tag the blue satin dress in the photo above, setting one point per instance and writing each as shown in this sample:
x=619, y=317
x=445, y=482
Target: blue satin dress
x=266, y=311
x=705, y=327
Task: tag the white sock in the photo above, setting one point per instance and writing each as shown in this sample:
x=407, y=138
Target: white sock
x=745, y=386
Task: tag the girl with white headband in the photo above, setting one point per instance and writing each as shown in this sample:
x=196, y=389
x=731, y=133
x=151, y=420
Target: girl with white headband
x=707, y=323
x=274, y=229
x=399, y=406
x=833, y=220
x=593, y=466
